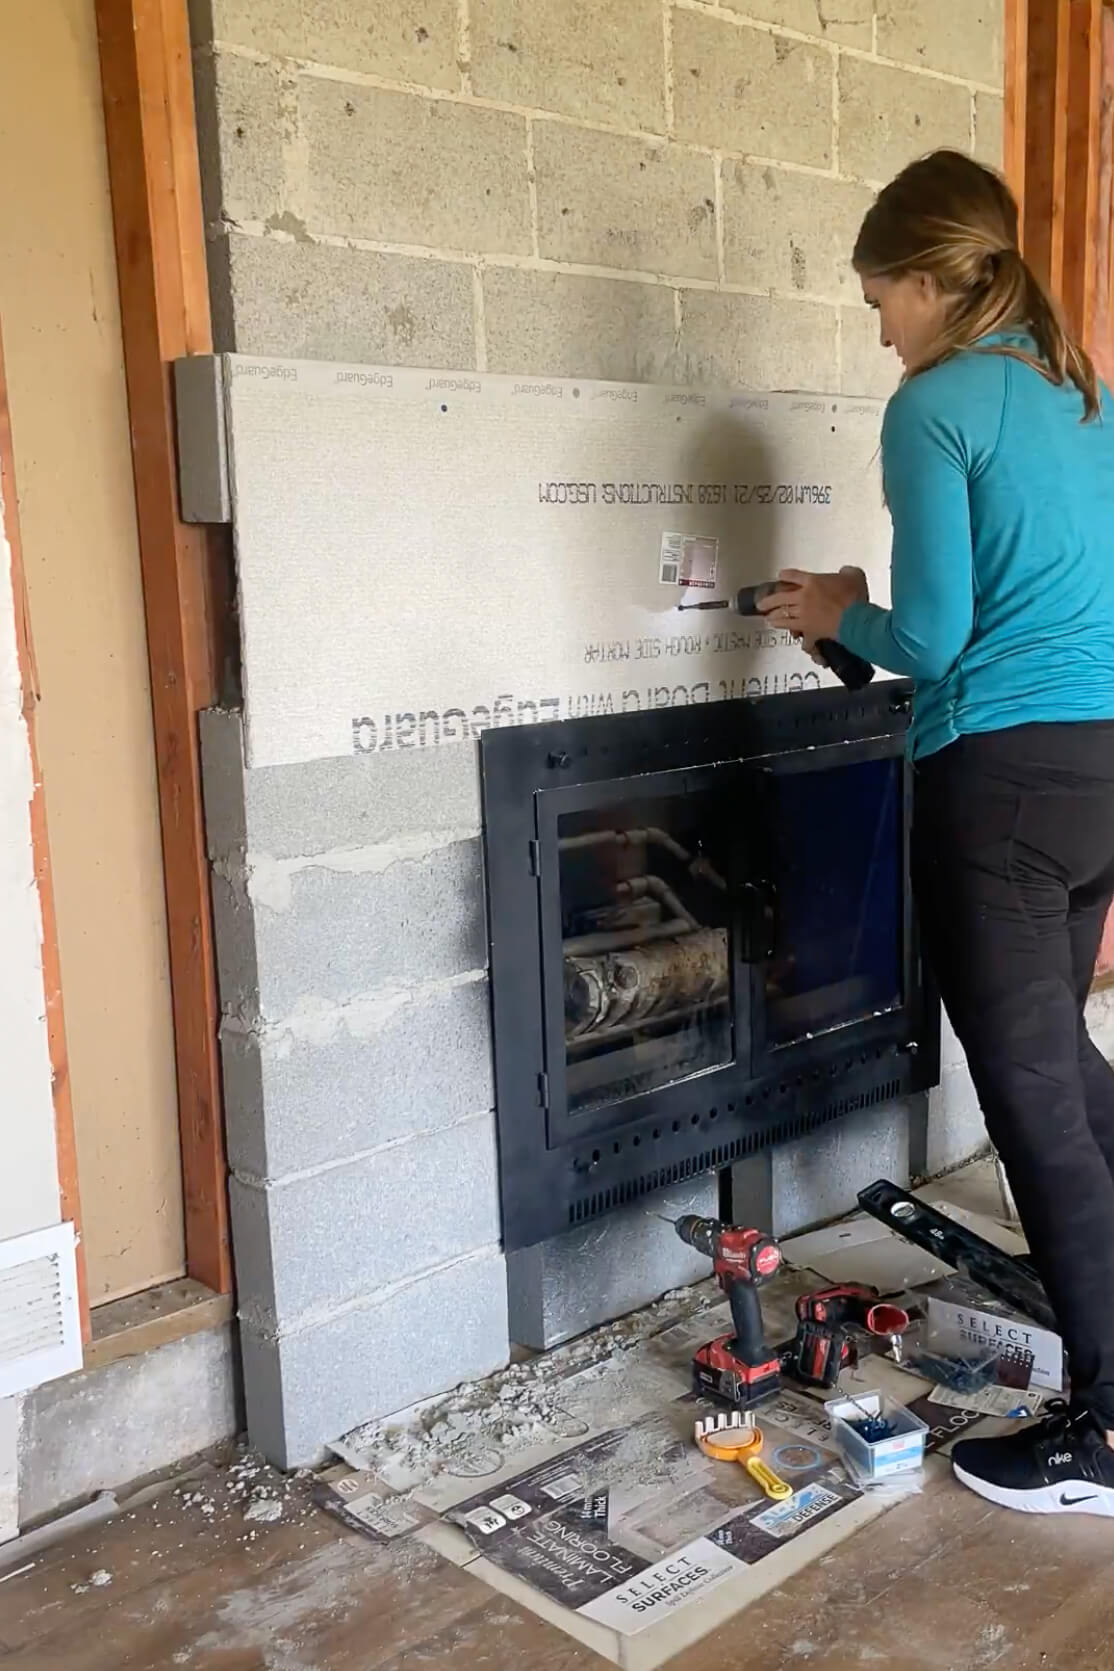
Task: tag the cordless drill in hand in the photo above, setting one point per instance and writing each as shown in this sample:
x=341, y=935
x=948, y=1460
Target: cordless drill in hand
x=851, y=669
x=739, y=1368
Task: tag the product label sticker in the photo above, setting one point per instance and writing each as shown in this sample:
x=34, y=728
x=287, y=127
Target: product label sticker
x=786, y=1518
x=689, y=560
x=661, y=1589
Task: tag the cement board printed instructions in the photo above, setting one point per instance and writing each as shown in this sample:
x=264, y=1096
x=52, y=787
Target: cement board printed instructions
x=490, y=558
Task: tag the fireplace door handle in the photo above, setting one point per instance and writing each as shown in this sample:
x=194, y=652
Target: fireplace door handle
x=759, y=918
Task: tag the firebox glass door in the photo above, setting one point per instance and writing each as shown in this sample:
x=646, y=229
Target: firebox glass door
x=836, y=863
x=645, y=909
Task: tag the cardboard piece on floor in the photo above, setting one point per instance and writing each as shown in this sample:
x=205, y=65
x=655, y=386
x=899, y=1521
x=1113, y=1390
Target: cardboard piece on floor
x=627, y=1537
x=866, y=1250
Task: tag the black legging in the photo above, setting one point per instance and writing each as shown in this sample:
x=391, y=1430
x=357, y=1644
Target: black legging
x=1013, y=869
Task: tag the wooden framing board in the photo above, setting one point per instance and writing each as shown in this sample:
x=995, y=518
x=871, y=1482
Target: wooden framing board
x=164, y=301
x=1054, y=89
x=69, y=1195
x=1059, y=159
x=1103, y=344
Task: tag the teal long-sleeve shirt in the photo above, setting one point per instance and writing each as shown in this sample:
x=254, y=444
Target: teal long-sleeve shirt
x=1002, y=582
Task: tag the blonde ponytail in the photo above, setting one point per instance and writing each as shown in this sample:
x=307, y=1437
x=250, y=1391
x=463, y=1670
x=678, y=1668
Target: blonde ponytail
x=948, y=216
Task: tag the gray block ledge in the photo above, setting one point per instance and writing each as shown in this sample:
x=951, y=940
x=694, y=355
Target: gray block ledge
x=104, y=1428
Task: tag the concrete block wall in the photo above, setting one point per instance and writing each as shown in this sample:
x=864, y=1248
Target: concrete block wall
x=641, y=190
x=636, y=189
x=349, y=918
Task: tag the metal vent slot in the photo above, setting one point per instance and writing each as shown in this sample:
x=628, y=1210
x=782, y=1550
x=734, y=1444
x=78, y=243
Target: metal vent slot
x=40, y=1330
x=586, y=1207
x=30, y=1309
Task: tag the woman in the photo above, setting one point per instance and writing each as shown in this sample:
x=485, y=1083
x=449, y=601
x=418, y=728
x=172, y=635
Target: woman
x=998, y=464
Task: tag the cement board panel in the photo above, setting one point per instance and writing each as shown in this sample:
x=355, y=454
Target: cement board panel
x=422, y=555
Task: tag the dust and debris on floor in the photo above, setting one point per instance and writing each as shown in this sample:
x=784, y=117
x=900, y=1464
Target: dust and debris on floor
x=558, y=1395
x=232, y=1564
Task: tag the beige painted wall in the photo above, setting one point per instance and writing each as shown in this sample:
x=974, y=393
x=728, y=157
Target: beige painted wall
x=59, y=310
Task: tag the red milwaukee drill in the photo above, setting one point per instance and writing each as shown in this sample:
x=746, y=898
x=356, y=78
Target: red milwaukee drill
x=738, y=1368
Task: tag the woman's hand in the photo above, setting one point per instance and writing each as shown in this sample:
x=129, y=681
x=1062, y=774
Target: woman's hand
x=811, y=606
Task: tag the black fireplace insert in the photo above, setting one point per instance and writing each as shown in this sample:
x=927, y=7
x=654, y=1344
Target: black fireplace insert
x=702, y=941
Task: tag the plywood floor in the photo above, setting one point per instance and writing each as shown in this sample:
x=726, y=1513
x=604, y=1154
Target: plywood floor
x=942, y=1583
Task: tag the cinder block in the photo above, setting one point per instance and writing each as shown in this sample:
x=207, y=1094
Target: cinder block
x=608, y=201
x=325, y=936
x=746, y=90
x=868, y=368
x=234, y=938
x=561, y=325
x=851, y=27
x=306, y=301
x=758, y=342
x=887, y=117
x=960, y=37
x=601, y=63
x=818, y=1178
x=791, y=231
x=320, y=1240
x=956, y=1128
x=309, y=1387
x=414, y=171
x=576, y=1281
x=325, y=806
x=360, y=1080
x=239, y=123
x=989, y=129
x=409, y=40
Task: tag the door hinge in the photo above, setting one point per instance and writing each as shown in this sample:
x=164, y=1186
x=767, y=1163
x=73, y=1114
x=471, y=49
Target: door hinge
x=543, y=1090
x=535, y=858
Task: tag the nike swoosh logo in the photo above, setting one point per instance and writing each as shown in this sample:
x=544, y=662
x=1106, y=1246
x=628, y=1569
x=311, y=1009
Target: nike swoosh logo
x=1070, y=1502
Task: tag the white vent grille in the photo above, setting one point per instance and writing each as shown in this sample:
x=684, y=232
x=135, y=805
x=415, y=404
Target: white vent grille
x=40, y=1326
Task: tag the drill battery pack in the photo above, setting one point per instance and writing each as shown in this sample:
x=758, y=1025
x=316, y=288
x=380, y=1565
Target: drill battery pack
x=717, y=1373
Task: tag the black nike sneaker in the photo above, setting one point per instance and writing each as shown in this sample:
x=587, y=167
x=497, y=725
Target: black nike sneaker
x=1061, y=1465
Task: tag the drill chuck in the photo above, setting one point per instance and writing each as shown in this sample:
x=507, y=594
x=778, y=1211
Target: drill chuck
x=699, y=1233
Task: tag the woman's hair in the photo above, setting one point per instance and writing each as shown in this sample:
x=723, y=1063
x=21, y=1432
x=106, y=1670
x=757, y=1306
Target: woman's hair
x=948, y=216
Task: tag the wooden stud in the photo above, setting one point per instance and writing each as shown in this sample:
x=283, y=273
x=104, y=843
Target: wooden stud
x=160, y=252
x=1103, y=341
x=1042, y=172
x=1017, y=57
x=1054, y=92
x=64, y=1138
x=1083, y=76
